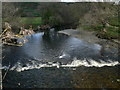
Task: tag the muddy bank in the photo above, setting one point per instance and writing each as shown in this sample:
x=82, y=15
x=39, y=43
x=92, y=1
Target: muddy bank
x=90, y=36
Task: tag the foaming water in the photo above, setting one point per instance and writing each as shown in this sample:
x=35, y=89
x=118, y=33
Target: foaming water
x=57, y=50
x=19, y=67
x=58, y=61
x=91, y=63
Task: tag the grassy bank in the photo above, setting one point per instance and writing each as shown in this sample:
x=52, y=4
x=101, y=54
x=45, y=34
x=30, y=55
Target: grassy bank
x=35, y=21
x=19, y=21
x=111, y=31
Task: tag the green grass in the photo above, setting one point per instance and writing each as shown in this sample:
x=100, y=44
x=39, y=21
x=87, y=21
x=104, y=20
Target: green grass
x=98, y=27
x=112, y=32
x=114, y=21
x=89, y=28
x=35, y=21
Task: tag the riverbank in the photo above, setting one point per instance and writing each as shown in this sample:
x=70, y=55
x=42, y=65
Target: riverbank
x=90, y=36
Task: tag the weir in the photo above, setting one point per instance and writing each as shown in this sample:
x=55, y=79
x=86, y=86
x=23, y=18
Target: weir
x=57, y=52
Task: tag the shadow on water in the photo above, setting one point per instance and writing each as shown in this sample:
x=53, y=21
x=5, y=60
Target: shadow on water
x=34, y=64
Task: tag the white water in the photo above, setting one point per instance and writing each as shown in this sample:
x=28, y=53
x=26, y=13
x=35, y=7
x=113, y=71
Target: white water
x=91, y=63
x=75, y=63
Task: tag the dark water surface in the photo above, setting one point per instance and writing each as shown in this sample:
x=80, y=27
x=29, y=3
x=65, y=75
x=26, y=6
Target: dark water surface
x=59, y=60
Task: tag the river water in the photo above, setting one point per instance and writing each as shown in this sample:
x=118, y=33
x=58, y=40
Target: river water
x=59, y=61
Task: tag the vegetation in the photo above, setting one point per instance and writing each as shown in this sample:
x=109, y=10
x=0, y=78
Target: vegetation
x=35, y=21
x=114, y=21
x=112, y=30
x=89, y=16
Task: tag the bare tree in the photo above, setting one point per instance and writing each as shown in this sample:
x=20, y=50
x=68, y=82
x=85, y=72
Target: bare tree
x=9, y=14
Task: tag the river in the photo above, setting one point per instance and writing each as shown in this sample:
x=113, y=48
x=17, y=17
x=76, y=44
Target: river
x=59, y=61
